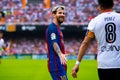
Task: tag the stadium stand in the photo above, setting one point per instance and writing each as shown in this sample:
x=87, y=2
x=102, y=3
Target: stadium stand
x=77, y=11
x=38, y=46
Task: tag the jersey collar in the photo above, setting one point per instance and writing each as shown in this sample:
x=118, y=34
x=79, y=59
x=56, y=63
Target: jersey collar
x=109, y=10
x=56, y=25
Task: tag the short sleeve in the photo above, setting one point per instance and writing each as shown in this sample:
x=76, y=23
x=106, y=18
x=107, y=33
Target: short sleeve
x=91, y=25
x=53, y=35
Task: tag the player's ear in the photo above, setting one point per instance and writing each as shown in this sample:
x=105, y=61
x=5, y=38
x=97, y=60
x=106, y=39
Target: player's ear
x=100, y=8
x=54, y=15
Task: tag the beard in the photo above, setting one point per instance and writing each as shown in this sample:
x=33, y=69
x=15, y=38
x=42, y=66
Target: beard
x=60, y=20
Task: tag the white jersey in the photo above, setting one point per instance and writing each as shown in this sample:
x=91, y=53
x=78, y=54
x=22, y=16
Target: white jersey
x=106, y=28
x=1, y=45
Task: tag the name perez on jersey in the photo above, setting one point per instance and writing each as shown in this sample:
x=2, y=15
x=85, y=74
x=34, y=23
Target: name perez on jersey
x=110, y=48
x=109, y=18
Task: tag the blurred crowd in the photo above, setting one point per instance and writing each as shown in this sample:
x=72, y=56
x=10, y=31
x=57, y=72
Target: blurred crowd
x=77, y=11
x=38, y=46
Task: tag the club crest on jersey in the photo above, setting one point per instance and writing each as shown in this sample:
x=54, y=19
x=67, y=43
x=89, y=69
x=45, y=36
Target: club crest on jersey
x=53, y=36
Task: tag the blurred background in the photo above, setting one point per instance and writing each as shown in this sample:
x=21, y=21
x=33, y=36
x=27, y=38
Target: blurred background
x=24, y=23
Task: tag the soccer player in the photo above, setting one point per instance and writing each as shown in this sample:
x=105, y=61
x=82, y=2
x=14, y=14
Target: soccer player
x=2, y=45
x=106, y=29
x=56, y=52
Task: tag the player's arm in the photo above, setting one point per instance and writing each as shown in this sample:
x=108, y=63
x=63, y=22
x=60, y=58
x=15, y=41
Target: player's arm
x=85, y=45
x=59, y=53
x=82, y=50
x=56, y=48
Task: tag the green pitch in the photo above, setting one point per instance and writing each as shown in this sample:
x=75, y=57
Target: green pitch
x=13, y=69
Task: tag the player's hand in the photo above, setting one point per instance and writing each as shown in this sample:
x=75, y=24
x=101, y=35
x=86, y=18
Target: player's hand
x=75, y=70
x=63, y=59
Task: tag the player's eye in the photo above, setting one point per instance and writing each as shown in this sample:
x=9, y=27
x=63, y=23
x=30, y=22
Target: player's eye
x=61, y=13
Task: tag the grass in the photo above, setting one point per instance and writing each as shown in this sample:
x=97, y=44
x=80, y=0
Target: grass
x=19, y=69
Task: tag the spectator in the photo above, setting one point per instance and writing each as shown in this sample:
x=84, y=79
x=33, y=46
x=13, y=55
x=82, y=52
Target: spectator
x=77, y=10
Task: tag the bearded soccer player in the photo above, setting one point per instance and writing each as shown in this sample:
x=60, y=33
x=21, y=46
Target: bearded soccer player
x=56, y=52
x=106, y=29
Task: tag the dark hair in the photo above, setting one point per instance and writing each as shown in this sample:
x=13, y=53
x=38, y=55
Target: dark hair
x=106, y=4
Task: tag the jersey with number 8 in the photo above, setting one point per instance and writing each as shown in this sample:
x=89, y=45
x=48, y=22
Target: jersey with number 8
x=106, y=28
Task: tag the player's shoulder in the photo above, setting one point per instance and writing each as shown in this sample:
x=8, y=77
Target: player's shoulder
x=98, y=17
x=51, y=26
x=102, y=15
x=117, y=15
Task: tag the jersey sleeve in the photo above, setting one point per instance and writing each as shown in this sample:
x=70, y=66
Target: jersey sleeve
x=91, y=25
x=53, y=35
x=90, y=34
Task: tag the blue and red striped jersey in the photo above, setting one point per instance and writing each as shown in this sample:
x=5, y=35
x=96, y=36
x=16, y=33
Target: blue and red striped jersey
x=54, y=34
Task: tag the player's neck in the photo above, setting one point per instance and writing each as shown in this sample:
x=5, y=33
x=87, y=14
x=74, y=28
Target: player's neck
x=107, y=10
x=55, y=22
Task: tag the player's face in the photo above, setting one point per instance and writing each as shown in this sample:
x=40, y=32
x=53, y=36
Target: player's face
x=60, y=16
x=1, y=35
